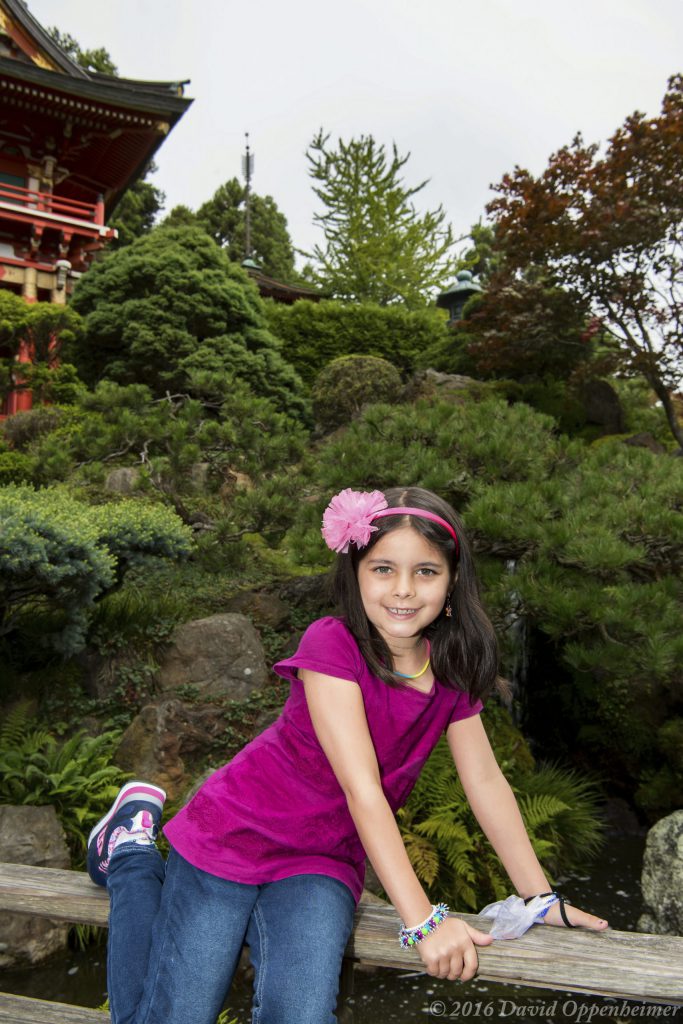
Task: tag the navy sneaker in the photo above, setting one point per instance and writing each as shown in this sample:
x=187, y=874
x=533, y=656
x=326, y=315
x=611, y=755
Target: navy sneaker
x=133, y=818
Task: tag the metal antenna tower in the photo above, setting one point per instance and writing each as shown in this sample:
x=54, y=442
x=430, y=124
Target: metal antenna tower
x=247, y=171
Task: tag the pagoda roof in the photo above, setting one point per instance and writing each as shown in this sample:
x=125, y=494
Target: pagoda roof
x=127, y=119
x=45, y=46
x=42, y=56
x=271, y=288
x=152, y=97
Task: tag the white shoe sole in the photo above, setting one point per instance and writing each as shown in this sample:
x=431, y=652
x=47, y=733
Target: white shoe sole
x=131, y=791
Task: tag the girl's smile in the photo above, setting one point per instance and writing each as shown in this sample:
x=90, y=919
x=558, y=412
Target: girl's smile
x=403, y=584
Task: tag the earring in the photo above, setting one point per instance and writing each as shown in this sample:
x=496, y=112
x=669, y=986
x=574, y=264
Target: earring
x=448, y=609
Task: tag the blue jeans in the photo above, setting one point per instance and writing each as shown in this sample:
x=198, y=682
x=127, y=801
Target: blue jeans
x=176, y=934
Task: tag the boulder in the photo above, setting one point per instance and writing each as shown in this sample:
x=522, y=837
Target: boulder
x=602, y=406
x=662, y=877
x=234, y=481
x=434, y=384
x=164, y=741
x=31, y=835
x=123, y=480
x=309, y=591
x=619, y=816
x=221, y=656
x=199, y=475
x=646, y=440
x=264, y=608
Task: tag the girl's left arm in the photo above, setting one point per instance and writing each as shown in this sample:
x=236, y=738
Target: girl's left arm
x=495, y=808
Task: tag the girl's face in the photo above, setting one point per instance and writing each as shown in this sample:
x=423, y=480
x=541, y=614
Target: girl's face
x=403, y=583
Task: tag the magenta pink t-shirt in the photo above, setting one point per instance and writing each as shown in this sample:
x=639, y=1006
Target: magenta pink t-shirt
x=277, y=809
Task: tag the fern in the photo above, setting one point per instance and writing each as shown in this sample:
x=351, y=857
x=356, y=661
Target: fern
x=447, y=848
x=73, y=775
x=16, y=725
x=423, y=856
x=540, y=809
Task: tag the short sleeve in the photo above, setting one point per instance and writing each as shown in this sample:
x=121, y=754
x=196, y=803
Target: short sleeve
x=465, y=708
x=328, y=647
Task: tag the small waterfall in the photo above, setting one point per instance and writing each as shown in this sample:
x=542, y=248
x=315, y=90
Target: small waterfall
x=517, y=640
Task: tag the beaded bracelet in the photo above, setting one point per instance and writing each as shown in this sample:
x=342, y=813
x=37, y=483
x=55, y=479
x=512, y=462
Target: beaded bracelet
x=411, y=936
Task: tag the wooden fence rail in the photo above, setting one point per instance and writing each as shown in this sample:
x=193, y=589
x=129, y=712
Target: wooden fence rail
x=627, y=965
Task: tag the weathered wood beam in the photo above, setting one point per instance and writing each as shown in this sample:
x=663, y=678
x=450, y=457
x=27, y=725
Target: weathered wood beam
x=628, y=965
x=21, y=1010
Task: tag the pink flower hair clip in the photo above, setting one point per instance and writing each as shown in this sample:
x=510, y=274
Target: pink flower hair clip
x=348, y=518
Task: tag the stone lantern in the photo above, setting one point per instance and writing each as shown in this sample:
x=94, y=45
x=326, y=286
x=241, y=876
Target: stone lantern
x=456, y=296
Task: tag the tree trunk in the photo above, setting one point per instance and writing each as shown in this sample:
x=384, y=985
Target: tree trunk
x=664, y=395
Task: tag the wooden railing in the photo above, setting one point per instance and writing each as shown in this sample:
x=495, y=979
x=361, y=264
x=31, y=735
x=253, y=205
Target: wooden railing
x=626, y=965
x=31, y=199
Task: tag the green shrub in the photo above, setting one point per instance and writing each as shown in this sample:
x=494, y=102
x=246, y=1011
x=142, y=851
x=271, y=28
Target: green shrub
x=642, y=410
x=314, y=333
x=24, y=427
x=60, y=554
x=172, y=303
x=350, y=382
x=16, y=468
x=224, y=426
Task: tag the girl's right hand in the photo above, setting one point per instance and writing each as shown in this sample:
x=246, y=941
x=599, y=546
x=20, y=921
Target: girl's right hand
x=450, y=951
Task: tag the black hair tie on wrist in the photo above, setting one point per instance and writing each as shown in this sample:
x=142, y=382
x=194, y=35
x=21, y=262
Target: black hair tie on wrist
x=561, y=900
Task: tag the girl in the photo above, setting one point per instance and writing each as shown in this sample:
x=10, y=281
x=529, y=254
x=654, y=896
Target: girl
x=271, y=850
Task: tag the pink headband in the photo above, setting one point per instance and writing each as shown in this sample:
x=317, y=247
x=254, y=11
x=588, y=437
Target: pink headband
x=349, y=516
x=404, y=510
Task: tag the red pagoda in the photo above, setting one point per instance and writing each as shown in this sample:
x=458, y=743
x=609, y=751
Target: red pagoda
x=71, y=142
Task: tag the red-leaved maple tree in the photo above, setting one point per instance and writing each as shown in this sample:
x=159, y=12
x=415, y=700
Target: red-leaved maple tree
x=609, y=228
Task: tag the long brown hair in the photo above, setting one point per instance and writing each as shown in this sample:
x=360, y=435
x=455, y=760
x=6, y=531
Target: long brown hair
x=464, y=652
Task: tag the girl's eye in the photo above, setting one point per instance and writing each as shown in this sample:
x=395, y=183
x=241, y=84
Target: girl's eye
x=382, y=570
x=426, y=572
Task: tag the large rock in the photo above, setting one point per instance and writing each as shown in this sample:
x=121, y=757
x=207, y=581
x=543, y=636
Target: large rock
x=123, y=480
x=434, y=384
x=165, y=740
x=31, y=835
x=646, y=440
x=261, y=606
x=221, y=656
x=662, y=877
x=309, y=591
x=602, y=406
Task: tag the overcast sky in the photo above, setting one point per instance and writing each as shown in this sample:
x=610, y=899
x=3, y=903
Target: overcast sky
x=468, y=88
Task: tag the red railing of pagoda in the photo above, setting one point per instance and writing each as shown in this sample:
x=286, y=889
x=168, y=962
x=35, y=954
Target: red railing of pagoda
x=46, y=202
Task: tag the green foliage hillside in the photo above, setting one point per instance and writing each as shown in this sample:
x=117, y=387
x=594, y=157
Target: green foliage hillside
x=582, y=543
x=227, y=431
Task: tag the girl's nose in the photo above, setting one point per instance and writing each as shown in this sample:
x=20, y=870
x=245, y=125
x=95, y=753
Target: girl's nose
x=403, y=586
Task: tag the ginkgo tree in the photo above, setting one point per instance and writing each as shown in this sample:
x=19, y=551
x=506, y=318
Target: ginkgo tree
x=378, y=247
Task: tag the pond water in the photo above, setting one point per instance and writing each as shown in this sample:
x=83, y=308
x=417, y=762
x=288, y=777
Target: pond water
x=383, y=996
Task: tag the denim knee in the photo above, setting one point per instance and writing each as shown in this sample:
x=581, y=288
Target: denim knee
x=298, y=933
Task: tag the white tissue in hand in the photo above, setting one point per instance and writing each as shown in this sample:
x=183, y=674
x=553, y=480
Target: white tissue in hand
x=512, y=917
